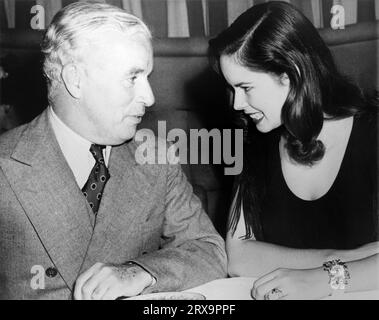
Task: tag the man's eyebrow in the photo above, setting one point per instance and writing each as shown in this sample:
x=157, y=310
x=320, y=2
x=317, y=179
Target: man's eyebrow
x=135, y=71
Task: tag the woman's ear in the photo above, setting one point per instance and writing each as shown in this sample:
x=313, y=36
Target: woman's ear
x=284, y=79
x=71, y=78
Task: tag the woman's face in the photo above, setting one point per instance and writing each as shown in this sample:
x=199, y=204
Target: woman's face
x=259, y=95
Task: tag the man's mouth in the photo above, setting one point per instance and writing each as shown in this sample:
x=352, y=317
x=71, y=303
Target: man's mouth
x=137, y=117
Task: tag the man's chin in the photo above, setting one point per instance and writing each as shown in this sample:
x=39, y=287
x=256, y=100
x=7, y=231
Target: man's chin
x=126, y=136
x=116, y=141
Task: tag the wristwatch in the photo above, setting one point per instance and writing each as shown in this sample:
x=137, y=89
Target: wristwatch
x=338, y=275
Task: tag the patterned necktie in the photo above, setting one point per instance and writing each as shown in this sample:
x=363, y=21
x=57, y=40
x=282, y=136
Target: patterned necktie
x=93, y=189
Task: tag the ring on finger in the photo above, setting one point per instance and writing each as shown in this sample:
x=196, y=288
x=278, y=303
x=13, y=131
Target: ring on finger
x=273, y=294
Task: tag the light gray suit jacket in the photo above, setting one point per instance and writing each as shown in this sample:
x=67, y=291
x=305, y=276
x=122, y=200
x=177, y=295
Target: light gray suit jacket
x=148, y=214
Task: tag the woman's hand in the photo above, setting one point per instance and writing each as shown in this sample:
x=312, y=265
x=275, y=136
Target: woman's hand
x=292, y=284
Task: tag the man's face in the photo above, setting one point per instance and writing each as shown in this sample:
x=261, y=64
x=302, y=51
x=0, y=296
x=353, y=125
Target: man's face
x=114, y=87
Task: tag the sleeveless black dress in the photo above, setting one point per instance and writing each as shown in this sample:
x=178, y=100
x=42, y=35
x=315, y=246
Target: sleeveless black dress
x=345, y=217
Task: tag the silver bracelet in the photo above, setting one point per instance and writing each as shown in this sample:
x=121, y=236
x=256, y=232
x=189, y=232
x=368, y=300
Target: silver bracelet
x=338, y=274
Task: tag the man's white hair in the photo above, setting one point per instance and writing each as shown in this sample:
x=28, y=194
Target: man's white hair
x=72, y=28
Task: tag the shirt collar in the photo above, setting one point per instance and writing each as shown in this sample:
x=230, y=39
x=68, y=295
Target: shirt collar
x=75, y=148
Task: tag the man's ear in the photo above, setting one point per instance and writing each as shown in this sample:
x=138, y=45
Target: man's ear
x=71, y=77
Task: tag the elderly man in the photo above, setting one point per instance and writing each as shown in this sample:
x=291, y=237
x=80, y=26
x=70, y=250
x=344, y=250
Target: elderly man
x=74, y=202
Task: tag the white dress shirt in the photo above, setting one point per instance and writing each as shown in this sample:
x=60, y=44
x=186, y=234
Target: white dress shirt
x=75, y=149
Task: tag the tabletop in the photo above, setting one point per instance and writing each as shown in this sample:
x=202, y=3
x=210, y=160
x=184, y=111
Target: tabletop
x=239, y=288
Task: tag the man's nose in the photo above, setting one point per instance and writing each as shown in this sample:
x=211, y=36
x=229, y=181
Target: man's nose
x=239, y=102
x=147, y=95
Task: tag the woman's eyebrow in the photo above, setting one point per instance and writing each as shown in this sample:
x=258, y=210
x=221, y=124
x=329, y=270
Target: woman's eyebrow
x=240, y=84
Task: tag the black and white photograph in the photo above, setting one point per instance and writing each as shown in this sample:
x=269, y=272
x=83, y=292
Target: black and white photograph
x=197, y=150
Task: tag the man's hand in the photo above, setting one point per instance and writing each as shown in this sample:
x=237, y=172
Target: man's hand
x=108, y=282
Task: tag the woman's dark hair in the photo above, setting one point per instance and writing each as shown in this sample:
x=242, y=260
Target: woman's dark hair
x=276, y=38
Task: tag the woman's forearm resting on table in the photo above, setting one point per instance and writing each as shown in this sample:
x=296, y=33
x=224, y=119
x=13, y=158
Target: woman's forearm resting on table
x=361, y=252
x=254, y=258
x=364, y=274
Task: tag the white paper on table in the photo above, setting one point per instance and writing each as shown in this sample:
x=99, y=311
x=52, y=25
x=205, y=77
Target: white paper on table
x=237, y=288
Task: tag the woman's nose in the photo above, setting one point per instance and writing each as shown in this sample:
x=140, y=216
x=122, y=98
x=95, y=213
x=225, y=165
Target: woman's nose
x=239, y=101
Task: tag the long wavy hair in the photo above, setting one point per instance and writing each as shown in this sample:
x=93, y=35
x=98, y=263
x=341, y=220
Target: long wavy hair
x=276, y=38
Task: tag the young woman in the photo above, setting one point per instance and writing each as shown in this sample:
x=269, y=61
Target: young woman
x=304, y=217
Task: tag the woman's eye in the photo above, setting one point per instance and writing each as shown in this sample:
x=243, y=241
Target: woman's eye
x=246, y=89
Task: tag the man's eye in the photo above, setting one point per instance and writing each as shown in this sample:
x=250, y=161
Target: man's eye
x=132, y=80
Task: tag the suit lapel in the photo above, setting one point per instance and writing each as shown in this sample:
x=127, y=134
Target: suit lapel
x=126, y=194
x=50, y=197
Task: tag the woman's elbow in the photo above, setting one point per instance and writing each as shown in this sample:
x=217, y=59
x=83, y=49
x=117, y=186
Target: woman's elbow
x=234, y=261
x=242, y=262
x=233, y=268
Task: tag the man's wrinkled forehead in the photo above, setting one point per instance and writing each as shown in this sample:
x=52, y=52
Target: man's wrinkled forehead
x=119, y=55
x=97, y=35
x=108, y=37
